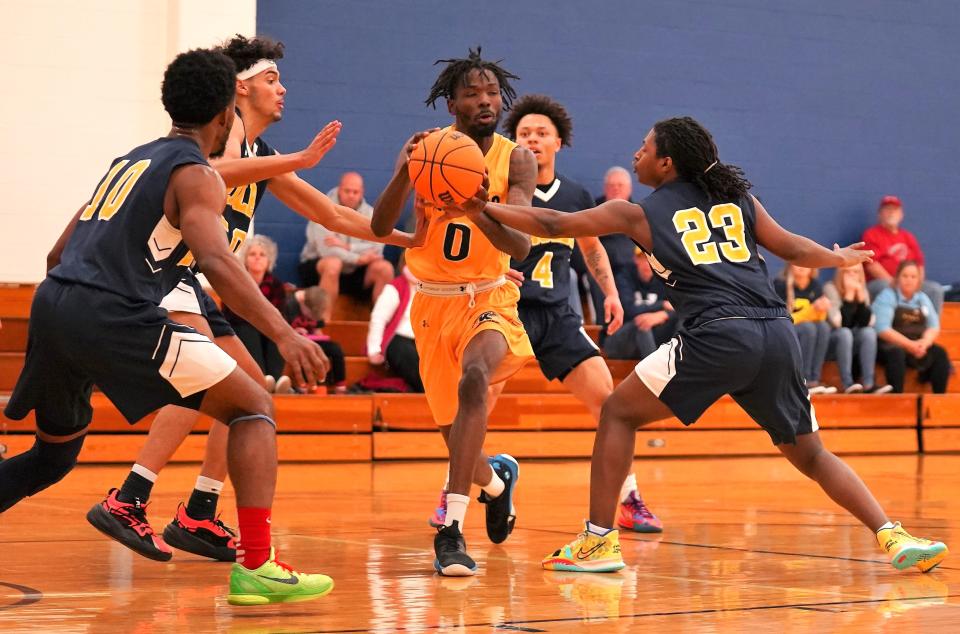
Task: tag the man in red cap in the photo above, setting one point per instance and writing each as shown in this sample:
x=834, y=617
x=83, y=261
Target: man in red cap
x=892, y=246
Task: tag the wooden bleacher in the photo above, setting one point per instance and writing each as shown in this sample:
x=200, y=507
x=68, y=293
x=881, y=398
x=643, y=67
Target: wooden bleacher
x=534, y=417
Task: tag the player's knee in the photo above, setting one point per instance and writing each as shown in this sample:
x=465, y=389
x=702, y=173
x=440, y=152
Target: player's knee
x=845, y=336
x=329, y=266
x=54, y=461
x=474, y=383
x=381, y=270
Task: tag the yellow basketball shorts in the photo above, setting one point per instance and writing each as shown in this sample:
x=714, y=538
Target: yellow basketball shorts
x=442, y=328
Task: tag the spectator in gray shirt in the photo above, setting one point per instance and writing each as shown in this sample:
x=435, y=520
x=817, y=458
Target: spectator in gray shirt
x=333, y=259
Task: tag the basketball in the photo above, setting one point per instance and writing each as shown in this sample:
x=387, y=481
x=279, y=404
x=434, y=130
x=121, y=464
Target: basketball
x=446, y=167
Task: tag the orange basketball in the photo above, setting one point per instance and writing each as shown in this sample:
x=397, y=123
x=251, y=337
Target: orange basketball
x=446, y=167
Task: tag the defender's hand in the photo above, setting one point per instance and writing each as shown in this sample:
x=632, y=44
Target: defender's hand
x=470, y=207
x=515, y=276
x=321, y=144
x=612, y=313
x=308, y=364
x=853, y=254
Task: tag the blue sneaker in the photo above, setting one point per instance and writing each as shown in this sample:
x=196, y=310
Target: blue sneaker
x=501, y=516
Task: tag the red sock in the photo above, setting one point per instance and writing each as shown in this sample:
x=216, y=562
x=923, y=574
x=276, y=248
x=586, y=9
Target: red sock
x=254, y=547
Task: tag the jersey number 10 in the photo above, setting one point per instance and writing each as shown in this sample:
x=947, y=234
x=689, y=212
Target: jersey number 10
x=692, y=224
x=105, y=204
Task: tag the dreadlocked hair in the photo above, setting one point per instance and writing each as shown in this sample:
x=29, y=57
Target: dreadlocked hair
x=458, y=70
x=694, y=156
x=245, y=52
x=543, y=105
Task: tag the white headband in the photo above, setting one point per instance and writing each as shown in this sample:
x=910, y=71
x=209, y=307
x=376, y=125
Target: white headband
x=260, y=66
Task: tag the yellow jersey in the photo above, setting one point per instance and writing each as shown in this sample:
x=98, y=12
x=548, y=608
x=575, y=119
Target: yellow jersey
x=456, y=250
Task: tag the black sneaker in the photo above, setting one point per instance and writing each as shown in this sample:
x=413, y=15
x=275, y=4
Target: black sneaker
x=127, y=523
x=207, y=538
x=501, y=516
x=452, y=558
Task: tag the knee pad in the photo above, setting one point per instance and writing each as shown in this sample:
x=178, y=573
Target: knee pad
x=55, y=460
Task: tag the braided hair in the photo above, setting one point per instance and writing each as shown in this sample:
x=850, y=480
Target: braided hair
x=695, y=158
x=457, y=72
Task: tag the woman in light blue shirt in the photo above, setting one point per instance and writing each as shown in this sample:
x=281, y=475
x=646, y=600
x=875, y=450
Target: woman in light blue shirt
x=907, y=325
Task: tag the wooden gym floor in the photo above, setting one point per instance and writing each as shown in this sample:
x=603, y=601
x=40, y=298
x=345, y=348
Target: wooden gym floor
x=749, y=545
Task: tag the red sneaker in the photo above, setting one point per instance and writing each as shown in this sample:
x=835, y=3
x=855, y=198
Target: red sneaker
x=126, y=522
x=634, y=515
x=207, y=538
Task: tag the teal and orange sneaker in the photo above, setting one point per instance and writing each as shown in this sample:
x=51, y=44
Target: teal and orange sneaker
x=275, y=582
x=588, y=553
x=905, y=550
x=633, y=515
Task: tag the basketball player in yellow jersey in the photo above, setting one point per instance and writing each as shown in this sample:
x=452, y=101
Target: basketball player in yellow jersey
x=468, y=333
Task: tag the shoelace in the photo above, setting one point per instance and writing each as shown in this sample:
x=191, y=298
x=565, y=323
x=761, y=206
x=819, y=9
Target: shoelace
x=637, y=506
x=135, y=515
x=287, y=567
x=218, y=523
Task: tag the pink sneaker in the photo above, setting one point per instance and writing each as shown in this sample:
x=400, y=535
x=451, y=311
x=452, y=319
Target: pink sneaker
x=633, y=515
x=440, y=513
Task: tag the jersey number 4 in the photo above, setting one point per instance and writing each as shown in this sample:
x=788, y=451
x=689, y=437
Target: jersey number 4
x=104, y=203
x=692, y=224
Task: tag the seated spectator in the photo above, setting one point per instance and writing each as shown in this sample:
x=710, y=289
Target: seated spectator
x=390, y=337
x=301, y=310
x=803, y=293
x=617, y=185
x=259, y=256
x=648, y=318
x=853, y=333
x=333, y=259
x=907, y=325
x=893, y=245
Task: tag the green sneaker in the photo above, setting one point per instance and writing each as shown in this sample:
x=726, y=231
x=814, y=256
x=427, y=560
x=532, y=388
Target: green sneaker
x=275, y=582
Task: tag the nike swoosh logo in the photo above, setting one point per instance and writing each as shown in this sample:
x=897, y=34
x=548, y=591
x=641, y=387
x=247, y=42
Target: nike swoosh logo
x=289, y=581
x=586, y=555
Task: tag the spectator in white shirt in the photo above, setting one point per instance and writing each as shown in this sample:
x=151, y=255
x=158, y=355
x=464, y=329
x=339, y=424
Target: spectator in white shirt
x=334, y=260
x=390, y=337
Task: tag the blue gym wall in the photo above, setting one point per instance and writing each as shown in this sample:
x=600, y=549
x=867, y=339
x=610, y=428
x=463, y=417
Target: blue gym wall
x=827, y=105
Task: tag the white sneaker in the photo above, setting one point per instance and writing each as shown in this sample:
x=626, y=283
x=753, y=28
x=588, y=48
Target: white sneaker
x=880, y=389
x=270, y=384
x=856, y=388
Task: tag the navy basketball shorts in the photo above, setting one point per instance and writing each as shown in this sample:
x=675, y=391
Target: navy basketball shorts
x=756, y=361
x=188, y=296
x=82, y=336
x=559, y=341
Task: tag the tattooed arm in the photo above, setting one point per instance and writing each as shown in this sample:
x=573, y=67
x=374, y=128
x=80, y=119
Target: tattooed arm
x=598, y=264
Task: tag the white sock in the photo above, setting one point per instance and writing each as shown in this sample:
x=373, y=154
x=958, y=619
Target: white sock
x=456, y=509
x=208, y=485
x=496, y=485
x=143, y=472
x=885, y=527
x=629, y=486
x=599, y=531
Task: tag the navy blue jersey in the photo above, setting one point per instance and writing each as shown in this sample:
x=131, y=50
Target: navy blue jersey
x=706, y=252
x=123, y=243
x=546, y=270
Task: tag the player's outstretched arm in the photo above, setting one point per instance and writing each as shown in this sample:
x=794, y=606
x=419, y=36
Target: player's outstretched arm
x=522, y=181
x=236, y=171
x=802, y=251
x=598, y=263
x=198, y=192
x=390, y=202
x=613, y=216
x=314, y=205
